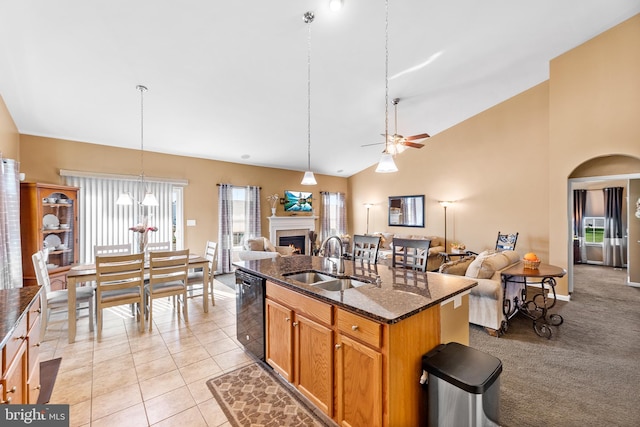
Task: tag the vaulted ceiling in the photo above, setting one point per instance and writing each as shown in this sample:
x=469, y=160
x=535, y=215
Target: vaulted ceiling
x=228, y=80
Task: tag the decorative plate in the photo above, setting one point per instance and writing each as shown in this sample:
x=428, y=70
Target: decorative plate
x=52, y=241
x=50, y=220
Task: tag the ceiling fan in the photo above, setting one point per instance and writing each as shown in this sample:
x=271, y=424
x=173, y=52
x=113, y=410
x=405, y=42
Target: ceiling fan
x=398, y=143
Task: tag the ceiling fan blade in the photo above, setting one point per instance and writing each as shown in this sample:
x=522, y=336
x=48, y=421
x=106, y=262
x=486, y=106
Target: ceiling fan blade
x=375, y=143
x=414, y=137
x=412, y=144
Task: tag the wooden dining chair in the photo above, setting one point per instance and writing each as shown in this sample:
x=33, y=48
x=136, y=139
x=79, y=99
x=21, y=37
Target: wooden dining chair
x=158, y=246
x=410, y=253
x=196, y=278
x=366, y=248
x=167, y=277
x=111, y=249
x=58, y=300
x=119, y=281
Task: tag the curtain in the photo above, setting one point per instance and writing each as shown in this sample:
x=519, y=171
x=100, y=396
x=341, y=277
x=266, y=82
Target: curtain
x=102, y=222
x=10, y=247
x=579, y=207
x=614, y=246
x=225, y=228
x=333, y=217
x=252, y=213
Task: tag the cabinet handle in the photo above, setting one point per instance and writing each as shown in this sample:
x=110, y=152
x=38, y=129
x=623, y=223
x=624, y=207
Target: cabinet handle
x=338, y=346
x=39, y=310
x=13, y=390
x=37, y=387
x=6, y=402
x=22, y=337
x=295, y=324
x=286, y=319
x=354, y=328
x=37, y=345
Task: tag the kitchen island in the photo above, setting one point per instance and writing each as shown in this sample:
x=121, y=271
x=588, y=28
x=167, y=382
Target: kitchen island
x=353, y=347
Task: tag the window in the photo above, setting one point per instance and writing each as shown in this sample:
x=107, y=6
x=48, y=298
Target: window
x=594, y=230
x=239, y=216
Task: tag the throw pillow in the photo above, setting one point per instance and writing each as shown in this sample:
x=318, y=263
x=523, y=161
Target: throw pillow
x=457, y=267
x=473, y=270
x=388, y=239
x=255, y=244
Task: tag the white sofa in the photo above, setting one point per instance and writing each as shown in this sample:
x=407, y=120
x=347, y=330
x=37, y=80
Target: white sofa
x=486, y=299
x=434, y=260
x=262, y=248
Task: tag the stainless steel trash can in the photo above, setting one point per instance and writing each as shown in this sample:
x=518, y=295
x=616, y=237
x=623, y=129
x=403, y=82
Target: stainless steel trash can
x=463, y=386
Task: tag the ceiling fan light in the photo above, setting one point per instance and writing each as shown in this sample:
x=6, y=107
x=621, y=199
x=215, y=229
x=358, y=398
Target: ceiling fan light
x=308, y=179
x=386, y=164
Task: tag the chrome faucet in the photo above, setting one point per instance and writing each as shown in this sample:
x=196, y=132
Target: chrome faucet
x=339, y=265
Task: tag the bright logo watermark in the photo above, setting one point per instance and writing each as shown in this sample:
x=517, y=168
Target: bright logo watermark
x=35, y=415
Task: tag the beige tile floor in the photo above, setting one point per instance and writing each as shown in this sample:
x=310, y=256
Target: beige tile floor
x=153, y=378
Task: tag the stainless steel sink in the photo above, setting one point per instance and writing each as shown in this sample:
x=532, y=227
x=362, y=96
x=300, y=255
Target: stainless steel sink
x=309, y=277
x=338, y=284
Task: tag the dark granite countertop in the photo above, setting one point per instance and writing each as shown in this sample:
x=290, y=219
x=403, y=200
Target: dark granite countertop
x=13, y=305
x=400, y=294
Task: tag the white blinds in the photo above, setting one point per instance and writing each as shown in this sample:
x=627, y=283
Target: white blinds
x=102, y=222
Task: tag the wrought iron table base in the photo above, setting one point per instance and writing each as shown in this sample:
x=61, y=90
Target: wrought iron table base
x=536, y=309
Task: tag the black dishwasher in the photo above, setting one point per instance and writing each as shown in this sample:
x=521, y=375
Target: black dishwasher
x=250, y=295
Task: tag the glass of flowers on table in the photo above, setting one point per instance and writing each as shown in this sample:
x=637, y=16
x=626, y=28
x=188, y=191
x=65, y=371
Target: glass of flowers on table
x=142, y=231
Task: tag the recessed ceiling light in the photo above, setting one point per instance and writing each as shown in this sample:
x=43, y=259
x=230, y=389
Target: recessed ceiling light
x=245, y=156
x=335, y=5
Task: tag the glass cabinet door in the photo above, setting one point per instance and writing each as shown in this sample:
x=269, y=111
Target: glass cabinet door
x=58, y=230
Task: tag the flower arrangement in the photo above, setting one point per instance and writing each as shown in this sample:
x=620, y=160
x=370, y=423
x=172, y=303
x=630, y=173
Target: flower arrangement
x=143, y=230
x=273, y=200
x=457, y=247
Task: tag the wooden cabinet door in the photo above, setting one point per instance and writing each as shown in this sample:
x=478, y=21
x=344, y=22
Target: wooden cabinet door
x=279, y=339
x=14, y=378
x=359, y=383
x=313, y=360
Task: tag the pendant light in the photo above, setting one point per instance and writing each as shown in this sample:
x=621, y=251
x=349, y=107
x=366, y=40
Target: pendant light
x=149, y=199
x=309, y=178
x=386, y=164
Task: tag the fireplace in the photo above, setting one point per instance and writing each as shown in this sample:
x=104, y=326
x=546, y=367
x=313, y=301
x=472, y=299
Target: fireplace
x=297, y=242
x=292, y=226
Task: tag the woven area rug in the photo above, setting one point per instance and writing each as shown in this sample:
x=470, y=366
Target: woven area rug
x=253, y=396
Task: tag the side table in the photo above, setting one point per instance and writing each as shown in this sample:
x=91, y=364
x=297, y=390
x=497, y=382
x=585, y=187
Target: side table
x=516, y=299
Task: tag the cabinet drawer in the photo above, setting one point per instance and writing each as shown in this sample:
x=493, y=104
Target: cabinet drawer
x=358, y=327
x=14, y=378
x=34, y=312
x=302, y=304
x=33, y=385
x=18, y=337
x=33, y=352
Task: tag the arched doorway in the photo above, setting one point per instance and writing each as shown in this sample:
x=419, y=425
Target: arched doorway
x=593, y=176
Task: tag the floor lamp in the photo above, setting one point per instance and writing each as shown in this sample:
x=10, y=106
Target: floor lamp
x=444, y=204
x=368, y=206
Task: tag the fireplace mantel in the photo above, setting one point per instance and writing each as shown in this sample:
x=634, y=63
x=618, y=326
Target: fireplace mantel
x=279, y=223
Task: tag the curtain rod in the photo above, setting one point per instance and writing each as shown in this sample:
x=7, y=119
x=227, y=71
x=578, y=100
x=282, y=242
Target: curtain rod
x=233, y=185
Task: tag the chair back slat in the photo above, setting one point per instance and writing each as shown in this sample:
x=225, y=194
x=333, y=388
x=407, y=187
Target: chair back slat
x=168, y=266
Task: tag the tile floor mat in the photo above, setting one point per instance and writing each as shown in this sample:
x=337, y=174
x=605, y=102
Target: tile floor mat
x=48, y=374
x=252, y=395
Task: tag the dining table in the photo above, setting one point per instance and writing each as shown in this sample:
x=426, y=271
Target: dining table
x=81, y=273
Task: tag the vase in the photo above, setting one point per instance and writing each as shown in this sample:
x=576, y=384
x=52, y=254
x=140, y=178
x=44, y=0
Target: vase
x=273, y=211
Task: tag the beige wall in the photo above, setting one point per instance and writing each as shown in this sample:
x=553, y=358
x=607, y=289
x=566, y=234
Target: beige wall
x=9, y=137
x=42, y=159
x=594, y=106
x=507, y=167
x=494, y=166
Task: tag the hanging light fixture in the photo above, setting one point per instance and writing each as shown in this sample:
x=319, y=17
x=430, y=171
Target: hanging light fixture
x=386, y=164
x=308, y=178
x=149, y=199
